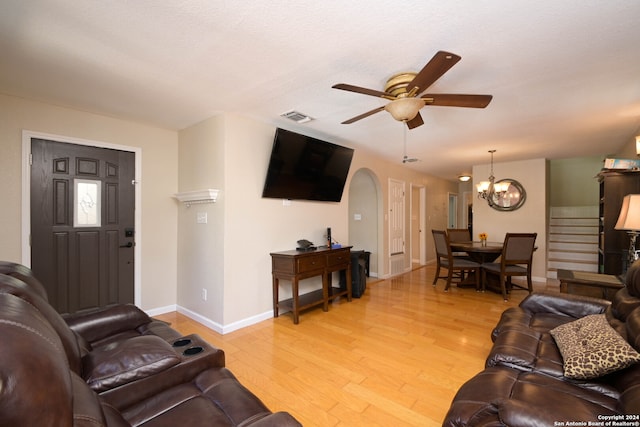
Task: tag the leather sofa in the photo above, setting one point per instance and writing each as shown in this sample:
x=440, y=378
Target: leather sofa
x=113, y=366
x=534, y=376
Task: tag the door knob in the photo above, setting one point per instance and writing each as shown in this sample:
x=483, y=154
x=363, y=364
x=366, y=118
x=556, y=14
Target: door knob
x=128, y=245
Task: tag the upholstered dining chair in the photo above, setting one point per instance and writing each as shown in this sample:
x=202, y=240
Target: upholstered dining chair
x=459, y=235
x=456, y=267
x=517, y=254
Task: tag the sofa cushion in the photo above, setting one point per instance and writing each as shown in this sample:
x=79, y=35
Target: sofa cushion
x=590, y=348
x=544, y=311
x=129, y=360
x=526, y=350
x=213, y=394
x=499, y=394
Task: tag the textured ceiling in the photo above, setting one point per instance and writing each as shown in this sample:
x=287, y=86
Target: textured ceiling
x=565, y=75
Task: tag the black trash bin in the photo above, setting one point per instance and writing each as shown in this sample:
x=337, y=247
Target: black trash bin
x=358, y=274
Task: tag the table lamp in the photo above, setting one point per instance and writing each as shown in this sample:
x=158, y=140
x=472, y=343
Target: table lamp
x=629, y=220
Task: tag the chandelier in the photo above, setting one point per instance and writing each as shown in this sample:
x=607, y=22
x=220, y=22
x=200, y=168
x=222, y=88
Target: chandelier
x=491, y=191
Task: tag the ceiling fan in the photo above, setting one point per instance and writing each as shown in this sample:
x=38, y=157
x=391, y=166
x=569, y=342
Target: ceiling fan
x=404, y=89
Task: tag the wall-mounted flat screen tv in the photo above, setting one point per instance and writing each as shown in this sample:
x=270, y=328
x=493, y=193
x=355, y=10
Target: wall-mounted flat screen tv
x=306, y=168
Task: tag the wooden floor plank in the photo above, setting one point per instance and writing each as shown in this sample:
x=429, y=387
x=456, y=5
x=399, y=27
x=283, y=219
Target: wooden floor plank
x=396, y=356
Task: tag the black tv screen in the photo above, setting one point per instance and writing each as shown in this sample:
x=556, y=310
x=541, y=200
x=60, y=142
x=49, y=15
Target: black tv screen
x=306, y=168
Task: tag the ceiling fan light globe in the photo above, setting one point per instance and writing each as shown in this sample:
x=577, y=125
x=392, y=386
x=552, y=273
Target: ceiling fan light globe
x=404, y=109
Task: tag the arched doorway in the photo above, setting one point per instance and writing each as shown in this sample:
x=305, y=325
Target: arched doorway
x=365, y=213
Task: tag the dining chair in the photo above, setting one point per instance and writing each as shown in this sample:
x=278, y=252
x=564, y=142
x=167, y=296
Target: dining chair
x=459, y=235
x=456, y=267
x=515, y=260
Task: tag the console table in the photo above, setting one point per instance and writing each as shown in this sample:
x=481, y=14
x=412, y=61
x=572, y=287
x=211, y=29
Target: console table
x=589, y=284
x=298, y=265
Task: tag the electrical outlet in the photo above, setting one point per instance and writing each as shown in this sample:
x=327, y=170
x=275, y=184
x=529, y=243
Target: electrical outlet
x=204, y=294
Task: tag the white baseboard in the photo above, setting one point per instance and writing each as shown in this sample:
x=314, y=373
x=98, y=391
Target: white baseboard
x=247, y=322
x=161, y=310
x=224, y=329
x=201, y=319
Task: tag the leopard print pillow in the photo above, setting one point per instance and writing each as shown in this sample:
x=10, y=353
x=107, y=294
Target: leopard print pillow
x=590, y=348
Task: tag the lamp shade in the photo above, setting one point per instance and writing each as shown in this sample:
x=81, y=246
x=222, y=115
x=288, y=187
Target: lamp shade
x=629, y=218
x=483, y=186
x=404, y=109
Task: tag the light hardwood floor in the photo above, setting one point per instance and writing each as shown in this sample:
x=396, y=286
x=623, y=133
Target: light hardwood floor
x=394, y=357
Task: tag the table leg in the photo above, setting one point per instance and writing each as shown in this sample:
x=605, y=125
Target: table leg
x=276, y=285
x=294, y=291
x=349, y=284
x=326, y=285
x=563, y=287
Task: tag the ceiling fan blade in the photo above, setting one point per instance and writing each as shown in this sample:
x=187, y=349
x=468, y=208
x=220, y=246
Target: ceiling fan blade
x=363, y=90
x=457, y=100
x=439, y=64
x=415, y=122
x=362, y=116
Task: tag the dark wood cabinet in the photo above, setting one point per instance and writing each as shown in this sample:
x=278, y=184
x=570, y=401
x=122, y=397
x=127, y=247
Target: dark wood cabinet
x=614, y=244
x=295, y=266
x=584, y=283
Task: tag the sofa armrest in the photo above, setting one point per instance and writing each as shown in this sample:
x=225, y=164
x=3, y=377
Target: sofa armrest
x=575, y=306
x=133, y=392
x=98, y=323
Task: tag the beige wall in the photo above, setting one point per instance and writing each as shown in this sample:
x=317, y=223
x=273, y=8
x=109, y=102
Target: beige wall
x=201, y=246
x=158, y=235
x=530, y=218
x=230, y=255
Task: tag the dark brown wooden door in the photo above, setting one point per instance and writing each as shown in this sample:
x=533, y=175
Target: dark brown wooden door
x=82, y=224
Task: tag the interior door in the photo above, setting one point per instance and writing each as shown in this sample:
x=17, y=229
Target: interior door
x=396, y=217
x=452, y=216
x=82, y=224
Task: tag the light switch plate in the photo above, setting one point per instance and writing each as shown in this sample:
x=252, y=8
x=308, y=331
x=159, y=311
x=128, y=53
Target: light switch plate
x=201, y=217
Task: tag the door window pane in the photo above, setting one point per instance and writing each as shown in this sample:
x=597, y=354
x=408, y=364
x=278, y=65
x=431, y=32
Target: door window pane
x=87, y=203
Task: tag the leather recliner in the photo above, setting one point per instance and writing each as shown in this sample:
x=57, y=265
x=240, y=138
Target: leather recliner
x=49, y=375
x=523, y=382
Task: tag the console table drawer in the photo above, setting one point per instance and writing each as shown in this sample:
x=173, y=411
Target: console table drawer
x=284, y=265
x=339, y=258
x=310, y=263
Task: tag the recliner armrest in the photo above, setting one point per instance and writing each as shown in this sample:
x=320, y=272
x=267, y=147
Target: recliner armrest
x=98, y=323
x=576, y=306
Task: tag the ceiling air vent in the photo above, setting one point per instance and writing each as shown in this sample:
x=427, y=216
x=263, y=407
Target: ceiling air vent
x=296, y=116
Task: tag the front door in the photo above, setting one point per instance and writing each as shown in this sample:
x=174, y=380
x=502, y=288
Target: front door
x=82, y=224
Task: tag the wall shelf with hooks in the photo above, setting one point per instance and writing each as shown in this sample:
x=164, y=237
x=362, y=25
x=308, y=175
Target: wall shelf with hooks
x=197, y=197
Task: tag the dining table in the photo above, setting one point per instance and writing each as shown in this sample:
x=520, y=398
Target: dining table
x=479, y=252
